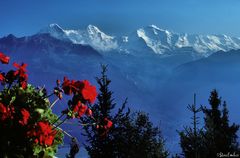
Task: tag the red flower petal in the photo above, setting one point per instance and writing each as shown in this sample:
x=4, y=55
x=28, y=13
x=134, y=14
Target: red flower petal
x=4, y=59
x=89, y=92
x=2, y=78
x=25, y=117
x=108, y=123
x=89, y=112
x=43, y=133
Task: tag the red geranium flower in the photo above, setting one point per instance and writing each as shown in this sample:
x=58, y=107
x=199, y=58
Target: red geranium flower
x=2, y=77
x=21, y=72
x=4, y=59
x=23, y=84
x=68, y=86
x=89, y=112
x=108, y=123
x=6, y=112
x=21, y=69
x=3, y=111
x=79, y=109
x=89, y=92
x=104, y=129
x=42, y=133
x=25, y=117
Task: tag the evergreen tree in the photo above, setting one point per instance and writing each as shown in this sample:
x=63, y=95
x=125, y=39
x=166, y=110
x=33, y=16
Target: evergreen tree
x=142, y=138
x=99, y=144
x=191, y=137
x=219, y=135
x=132, y=134
x=230, y=131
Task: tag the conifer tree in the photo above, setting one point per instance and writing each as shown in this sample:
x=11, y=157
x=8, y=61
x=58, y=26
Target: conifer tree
x=143, y=139
x=99, y=144
x=132, y=134
x=219, y=135
x=191, y=137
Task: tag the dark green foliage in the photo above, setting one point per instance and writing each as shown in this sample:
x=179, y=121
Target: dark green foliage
x=217, y=135
x=137, y=137
x=191, y=142
x=105, y=101
x=191, y=137
x=220, y=136
x=98, y=145
x=132, y=134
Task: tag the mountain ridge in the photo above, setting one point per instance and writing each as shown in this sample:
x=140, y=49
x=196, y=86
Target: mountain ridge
x=150, y=39
x=44, y=43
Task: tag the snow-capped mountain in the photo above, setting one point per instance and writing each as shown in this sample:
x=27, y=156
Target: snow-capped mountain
x=148, y=39
x=161, y=41
x=91, y=36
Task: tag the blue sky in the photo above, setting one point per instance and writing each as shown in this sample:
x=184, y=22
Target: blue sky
x=119, y=16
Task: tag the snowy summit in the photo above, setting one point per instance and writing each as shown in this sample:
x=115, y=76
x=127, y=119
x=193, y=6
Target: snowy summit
x=155, y=39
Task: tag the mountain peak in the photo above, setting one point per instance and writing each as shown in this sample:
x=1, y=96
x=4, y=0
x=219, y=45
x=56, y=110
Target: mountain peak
x=11, y=36
x=154, y=26
x=160, y=41
x=55, y=26
x=53, y=29
x=93, y=29
x=92, y=36
x=95, y=32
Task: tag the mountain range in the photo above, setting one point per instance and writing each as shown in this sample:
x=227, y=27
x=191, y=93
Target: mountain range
x=156, y=69
x=151, y=39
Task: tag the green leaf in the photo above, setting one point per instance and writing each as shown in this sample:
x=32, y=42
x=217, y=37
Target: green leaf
x=12, y=100
x=37, y=149
x=40, y=111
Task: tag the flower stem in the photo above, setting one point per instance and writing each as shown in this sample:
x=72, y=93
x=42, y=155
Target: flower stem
x=81, y=124
x=87, y=124
x=58, y=118
x=60, y=123
x=49, y=95
x=54, y=103
x=66, y=133
x=92, y=118
x=9, y=86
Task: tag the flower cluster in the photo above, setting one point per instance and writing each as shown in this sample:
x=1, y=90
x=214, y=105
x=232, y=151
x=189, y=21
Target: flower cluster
x=42, y=133
x=84, y=88
x=83, y=94
x=25, y=117
x=104, y=128
x=79, y=109
x=6, y=112
x=4, y=60
x=20, y=74
x=27, y=110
